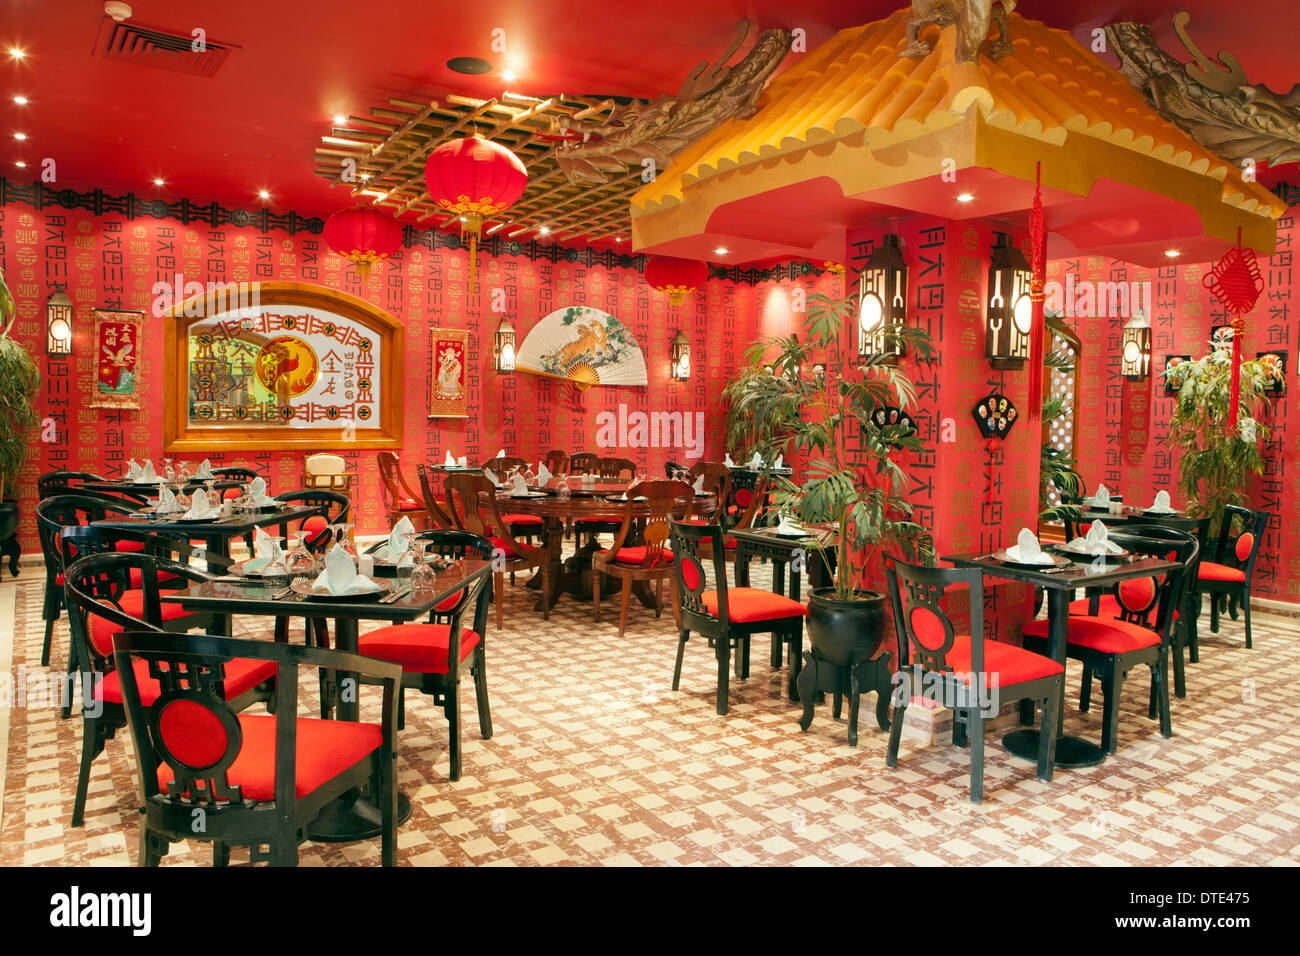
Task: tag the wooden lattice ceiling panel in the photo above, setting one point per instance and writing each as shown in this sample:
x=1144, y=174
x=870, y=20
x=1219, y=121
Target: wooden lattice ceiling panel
x=389, y=148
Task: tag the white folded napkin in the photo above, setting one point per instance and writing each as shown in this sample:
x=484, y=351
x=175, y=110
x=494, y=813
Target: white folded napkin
x=501, y=453
x=1102, y=497
x=1026, y=550
x=699, y=484
x=463, y=462
x=543, y=473
x=340, y=574
x=518, y=486
x=449, y=462
x=147, y=473
x=779, y=459
x=257, y=488
x=491, y=476
x=132, y=469
x=789, y=526
x=200, y=507
x=756, y=461
x=1161, y=503
x=399, y=540
x=266, y=550
x=205, y=470
x=1096, y=541
x=166, y=503
x=728, y=462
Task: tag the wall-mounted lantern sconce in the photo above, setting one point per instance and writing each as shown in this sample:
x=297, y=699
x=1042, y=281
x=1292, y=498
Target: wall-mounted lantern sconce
x=505, y=347
x=1010, y=311
x=58, y=324
x=1135, y=348
x=882, y=300
x=681, y=358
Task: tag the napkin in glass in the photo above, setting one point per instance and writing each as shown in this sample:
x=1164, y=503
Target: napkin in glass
x=1162, y=504
x=340, y=575
x=543, y=473
x=132, y=470
x=399, y=539
x=200, y=507
x=1096, y=541
x=205, y=470
x=779, y=459
x=1027, y=550
x=257, y=489
x=266, y=550
x=147, y=473
x=166, y=503
x=726, y=460
x=699, y=484
x=449, y=462
x=518, y=487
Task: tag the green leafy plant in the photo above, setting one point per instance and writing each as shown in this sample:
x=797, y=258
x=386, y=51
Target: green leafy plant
x=851, y=480
x=744, y=433
x=19, y=380
x=1057, y=468
x=1217, y=459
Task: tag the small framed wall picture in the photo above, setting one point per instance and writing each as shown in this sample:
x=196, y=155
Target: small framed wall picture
x=116, y=337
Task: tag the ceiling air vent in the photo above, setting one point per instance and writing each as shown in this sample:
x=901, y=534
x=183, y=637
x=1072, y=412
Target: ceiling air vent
x=161, y=49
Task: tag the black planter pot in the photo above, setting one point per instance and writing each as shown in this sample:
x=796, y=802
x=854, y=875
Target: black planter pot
x=846, y=632
x=9, y=534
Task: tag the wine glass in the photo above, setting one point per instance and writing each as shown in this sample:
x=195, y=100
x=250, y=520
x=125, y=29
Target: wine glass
x=343, y=536
x=423, y=575
x=564, y=492
x=405, y=568
x=301, y=562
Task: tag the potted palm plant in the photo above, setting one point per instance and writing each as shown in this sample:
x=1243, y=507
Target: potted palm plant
x=19, y=380
x=1218, y=459
x=850, y=480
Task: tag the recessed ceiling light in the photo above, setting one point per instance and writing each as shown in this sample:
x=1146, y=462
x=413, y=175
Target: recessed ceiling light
x=20, y=164
x=468, y=64
x=20, y=136
x=545, y=230
x=720, y=251
x=365, y=176
x=263, y=194
x=509, y=76
x=618, y=238
x=158, y=182
x=16, y=53
x=20, y=100
x=339, y=119
x=462, y=219
x=965, y=197
x=1172, y=253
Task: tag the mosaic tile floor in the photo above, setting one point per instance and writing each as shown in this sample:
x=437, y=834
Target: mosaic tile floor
x=596, y=761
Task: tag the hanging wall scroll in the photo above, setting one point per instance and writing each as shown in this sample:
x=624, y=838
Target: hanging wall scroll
x=279, y=366
x=116, y=337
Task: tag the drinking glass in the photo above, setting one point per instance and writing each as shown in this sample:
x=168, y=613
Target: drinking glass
x=564, y=492
x=343, y=536
x=406, y=563
x=423, y=576
x=301, y=562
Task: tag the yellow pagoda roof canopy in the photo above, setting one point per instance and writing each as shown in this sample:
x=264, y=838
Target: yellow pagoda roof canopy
x=874, y=122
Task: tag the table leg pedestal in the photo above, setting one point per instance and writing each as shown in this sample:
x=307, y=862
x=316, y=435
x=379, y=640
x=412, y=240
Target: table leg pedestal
x=819, y=676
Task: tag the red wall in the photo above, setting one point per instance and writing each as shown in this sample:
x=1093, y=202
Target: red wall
x=108, y=260
x=1124, y=422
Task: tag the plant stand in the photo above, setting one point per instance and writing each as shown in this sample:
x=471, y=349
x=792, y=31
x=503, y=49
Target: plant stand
x=846, y=680
x=9, y=536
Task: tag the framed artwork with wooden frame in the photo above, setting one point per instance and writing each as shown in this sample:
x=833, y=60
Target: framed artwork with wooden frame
x=116, y=336
x=280, y=366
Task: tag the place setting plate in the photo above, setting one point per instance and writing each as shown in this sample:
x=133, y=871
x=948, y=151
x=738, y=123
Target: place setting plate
x=307, y=589
x=1083, y=557
x=1058, y=562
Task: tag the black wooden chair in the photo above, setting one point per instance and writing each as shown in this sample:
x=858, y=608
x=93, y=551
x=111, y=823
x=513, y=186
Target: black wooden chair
x=971, y=675
x=728, y=617
x=52, y=516
x=102, y=605
x=334, y=507
x=1104, y=603
x=1231, y=573
x=1110, y=647
x=62, y=482
x=254, y=780
x=433, y=655
x=235, y=473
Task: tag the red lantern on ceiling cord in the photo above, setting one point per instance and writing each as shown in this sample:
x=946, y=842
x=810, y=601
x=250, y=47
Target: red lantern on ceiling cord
x=475, y=179
x=676, y=278
x=363, y=235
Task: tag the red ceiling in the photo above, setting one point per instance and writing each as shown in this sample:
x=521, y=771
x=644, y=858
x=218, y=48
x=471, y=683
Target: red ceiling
x=255, y=124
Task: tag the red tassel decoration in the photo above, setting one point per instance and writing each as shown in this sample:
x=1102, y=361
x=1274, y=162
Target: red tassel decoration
x=1038, y=262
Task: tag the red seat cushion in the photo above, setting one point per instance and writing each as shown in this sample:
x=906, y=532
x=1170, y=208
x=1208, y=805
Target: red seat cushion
x=128, y=546
x=102, y=630
x=407, y=504
x=137, y=578
x=747, y=605
x=325, y=748
x=640, y=555
x=1220, y=572
x=1107, y=635
x=1107, y=606
x=504, y=545
x=521, y=519
x=241, y=675
x=1004, y=664
x=420, y=648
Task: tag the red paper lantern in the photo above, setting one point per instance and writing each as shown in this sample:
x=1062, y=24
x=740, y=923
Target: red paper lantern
x=476, y=179
x=676, y=278
x=364, y=235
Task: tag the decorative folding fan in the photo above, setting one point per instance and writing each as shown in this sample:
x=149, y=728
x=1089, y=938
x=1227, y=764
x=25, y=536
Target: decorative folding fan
x=891, y=415
x=584, y=346
x=995, y=415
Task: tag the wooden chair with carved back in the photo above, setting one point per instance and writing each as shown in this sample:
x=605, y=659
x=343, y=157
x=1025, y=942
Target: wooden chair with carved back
x=401, y=499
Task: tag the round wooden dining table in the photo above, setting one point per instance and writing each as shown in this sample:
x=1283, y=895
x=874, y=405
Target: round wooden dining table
x=598, y=501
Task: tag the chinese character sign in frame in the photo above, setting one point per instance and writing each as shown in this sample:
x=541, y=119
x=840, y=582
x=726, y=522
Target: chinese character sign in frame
x=116, y=340
x=281, y=366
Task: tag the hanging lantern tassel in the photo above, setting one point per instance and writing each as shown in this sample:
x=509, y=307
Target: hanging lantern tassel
x=1235, y=282
x=473, y=223
x=1038, y=261
x=1234, y=389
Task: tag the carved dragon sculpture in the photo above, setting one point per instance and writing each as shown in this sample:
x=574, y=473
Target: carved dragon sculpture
x=974, y=19
x=596, y=149
x=1211, y=101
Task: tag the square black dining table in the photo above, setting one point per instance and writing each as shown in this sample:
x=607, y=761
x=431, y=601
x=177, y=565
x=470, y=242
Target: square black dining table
x=1085, y=572
x=353, y=816
x=216, y=532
